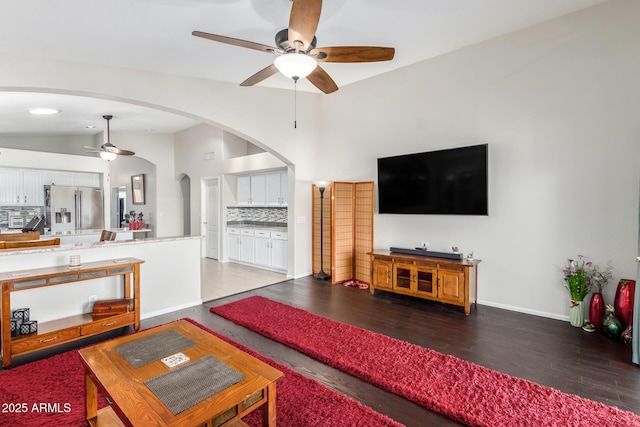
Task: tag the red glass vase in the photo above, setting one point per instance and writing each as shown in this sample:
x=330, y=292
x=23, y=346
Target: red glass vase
x=623, y=303
x=596, y=310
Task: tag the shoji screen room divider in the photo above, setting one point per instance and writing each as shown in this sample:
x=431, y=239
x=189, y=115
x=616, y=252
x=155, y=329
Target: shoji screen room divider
x=347, y=231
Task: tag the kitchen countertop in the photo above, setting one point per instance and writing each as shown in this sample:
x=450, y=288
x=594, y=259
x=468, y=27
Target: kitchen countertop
x=249, y=226
x=79, y=246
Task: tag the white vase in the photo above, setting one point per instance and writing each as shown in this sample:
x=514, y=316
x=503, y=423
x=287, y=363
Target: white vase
x=576, y=313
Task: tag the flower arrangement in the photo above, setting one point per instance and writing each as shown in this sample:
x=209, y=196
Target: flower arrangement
x=578, y=275
x=600, y=278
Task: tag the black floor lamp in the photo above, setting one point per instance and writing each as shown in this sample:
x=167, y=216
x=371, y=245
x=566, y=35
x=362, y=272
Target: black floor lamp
x=321, y=275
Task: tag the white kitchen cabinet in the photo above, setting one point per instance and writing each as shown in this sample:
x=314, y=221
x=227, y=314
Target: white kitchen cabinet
x=240, y=245
x=10, y=186
x=258, y=190
x=33, y=187
x=262, y=248
x=271, y=249
x=265, y=189
x=21, y=187
x=276, y=188
x=25, y=187
x=80, y=179
x=279, y=251
x=243, y=191
x=284, y=188
x=85, y=179
x=59, y=178
x=233, y=243
x=246, y=246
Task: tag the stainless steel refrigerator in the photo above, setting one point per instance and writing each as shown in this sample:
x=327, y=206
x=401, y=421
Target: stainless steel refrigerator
x=73, y=208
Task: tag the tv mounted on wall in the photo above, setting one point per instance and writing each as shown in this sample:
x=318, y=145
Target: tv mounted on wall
x=444, y=182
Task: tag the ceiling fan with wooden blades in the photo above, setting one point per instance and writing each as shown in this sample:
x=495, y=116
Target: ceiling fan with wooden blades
x=297, y=54
x=108, y=151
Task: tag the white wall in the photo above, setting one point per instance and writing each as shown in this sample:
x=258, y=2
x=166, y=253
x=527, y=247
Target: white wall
x=122, y=168
x=69, y=144
x=557, y=103
x=192, y=144
x=163, y=187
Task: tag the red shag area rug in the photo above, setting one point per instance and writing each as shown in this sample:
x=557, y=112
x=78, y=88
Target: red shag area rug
x=460, y=390
x=51, y=392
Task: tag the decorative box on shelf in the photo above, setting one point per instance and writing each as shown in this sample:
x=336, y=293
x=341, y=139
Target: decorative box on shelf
x=15, y=327
x=20, y=313
x=29, y=327
x=111, y=307
x=21, y=324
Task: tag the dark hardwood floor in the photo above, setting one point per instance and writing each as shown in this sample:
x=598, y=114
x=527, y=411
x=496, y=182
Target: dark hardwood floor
x=549, y=352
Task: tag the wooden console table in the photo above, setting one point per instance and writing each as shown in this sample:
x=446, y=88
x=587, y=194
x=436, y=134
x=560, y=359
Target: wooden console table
x=70, y=328
x=446, y=280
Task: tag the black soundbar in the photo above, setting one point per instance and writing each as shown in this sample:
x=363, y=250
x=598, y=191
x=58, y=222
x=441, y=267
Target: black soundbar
x=423, y=252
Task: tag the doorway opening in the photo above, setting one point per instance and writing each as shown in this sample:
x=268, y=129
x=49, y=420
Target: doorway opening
x=185, y=188
x=211, y=215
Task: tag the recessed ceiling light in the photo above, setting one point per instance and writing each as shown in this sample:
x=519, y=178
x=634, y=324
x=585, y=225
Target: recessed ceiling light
x=90, y=127
x=41, y=111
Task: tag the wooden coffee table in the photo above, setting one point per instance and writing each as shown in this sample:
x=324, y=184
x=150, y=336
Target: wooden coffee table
x=133, y=403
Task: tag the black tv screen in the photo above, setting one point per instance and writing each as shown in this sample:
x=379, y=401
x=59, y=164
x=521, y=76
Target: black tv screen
x=444, y=182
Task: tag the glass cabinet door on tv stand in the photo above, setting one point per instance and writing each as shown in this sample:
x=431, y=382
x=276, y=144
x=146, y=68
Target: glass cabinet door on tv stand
x=414, y=279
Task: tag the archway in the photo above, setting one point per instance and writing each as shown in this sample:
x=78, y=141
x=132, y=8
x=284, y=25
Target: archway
x=185, y=187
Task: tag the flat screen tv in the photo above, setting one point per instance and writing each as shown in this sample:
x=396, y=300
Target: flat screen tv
x=444, y=182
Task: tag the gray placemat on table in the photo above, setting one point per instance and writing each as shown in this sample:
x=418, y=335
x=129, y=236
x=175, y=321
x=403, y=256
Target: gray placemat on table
x=190, y=384
x=154, y=347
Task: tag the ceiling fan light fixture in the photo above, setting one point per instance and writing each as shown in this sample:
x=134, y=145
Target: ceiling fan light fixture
x=295, y=65
x=108, y=156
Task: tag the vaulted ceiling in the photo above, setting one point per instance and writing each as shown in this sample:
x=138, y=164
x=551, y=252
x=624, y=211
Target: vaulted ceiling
x=155, y=35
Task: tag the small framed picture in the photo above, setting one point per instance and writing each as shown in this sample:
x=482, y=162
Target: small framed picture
x=137, y=189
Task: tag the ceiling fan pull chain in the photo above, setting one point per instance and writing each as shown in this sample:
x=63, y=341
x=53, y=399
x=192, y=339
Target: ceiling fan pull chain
x=295, y=102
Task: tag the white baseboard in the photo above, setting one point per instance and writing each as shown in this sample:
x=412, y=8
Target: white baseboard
x=170, y=309
x=524, y=310
x=298, y=276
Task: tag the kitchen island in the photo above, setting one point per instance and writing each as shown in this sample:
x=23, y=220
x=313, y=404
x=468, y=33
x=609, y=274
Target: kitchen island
x=170, y=276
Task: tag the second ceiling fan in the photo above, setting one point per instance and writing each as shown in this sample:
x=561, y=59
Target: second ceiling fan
x=108, y=151
x=298, y=56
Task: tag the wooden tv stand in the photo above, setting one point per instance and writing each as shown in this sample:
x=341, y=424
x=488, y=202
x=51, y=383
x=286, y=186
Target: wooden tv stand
x=71, y=328
x=446, y=280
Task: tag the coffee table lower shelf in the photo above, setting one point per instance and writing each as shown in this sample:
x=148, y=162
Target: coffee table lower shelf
x=107, y=417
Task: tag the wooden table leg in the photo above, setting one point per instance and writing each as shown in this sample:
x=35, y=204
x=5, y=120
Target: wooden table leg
x=269, y=408
x=5, y=326
x=91, y=397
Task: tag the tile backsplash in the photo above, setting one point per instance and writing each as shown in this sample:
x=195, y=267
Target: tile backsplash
x=28, y=211
x=257, y=215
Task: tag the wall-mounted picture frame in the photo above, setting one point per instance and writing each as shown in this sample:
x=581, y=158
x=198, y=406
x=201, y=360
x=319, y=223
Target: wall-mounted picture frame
x=137, y=189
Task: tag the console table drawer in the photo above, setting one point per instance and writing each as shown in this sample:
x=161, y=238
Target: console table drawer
x=107, y=324
x=27, y=344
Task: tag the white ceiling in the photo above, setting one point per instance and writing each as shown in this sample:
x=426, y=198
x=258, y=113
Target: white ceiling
x=156, y=35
